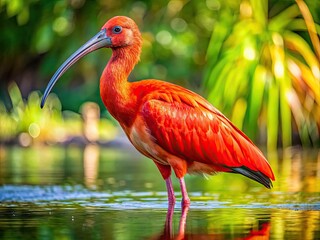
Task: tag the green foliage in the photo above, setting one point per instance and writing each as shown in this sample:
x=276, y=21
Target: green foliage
x=265, y=75
x=26, y=123
x=27, y=120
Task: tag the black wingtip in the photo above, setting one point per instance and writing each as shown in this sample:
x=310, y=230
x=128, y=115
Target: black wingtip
x=254, y=175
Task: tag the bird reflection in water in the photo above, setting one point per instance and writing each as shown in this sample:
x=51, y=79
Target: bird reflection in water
x=262, y=233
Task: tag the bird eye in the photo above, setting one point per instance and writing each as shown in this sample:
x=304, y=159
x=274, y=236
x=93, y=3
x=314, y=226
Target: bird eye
x=117, y=29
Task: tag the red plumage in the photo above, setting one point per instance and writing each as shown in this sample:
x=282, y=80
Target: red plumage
x=185, y=125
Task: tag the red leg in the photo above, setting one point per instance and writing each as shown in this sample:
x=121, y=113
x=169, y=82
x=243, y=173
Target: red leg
x=171, y=197
x=165, y=171
x=185, y=198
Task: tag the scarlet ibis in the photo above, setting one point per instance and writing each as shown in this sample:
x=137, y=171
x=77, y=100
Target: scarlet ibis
x=173, y=126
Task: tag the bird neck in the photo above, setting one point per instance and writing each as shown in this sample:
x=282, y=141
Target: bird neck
x=115, y=90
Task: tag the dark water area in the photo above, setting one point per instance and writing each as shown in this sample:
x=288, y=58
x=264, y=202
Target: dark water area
x=95, y=193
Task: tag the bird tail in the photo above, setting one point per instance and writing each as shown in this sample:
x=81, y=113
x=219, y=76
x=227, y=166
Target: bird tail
x=254, y=175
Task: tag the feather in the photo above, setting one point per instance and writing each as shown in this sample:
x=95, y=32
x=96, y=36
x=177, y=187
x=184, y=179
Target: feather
x=188, y=127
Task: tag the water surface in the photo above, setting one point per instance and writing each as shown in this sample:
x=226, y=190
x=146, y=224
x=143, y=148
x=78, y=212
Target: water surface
x=94, y=193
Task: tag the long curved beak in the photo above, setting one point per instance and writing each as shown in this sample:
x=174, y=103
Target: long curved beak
x=98, y=41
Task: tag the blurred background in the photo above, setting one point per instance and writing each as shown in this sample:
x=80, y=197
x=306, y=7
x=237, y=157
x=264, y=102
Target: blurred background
x=257, y=61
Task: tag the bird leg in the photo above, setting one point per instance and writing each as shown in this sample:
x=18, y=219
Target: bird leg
x=185, y=198
x=171, y=197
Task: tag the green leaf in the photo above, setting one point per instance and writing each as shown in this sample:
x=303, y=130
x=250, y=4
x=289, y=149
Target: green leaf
x=300, y=46
x=255, y=100
x=285, y=112
x=284, y=18
x=260, y=11
x=273, y=115
x=15, y=95
x=217, y=92
x=300, y=25
x=238, y=113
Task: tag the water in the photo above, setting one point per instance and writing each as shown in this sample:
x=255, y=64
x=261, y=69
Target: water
x=94, y=193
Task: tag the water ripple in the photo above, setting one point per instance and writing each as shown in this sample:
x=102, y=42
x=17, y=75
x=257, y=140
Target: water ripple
x=80, y=196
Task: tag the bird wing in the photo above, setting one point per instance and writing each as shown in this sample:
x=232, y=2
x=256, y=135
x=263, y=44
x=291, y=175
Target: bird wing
x=186, y=125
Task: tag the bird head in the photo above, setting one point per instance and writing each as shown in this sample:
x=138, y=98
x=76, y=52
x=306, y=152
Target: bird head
x=122, y=31
x=118, y=33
